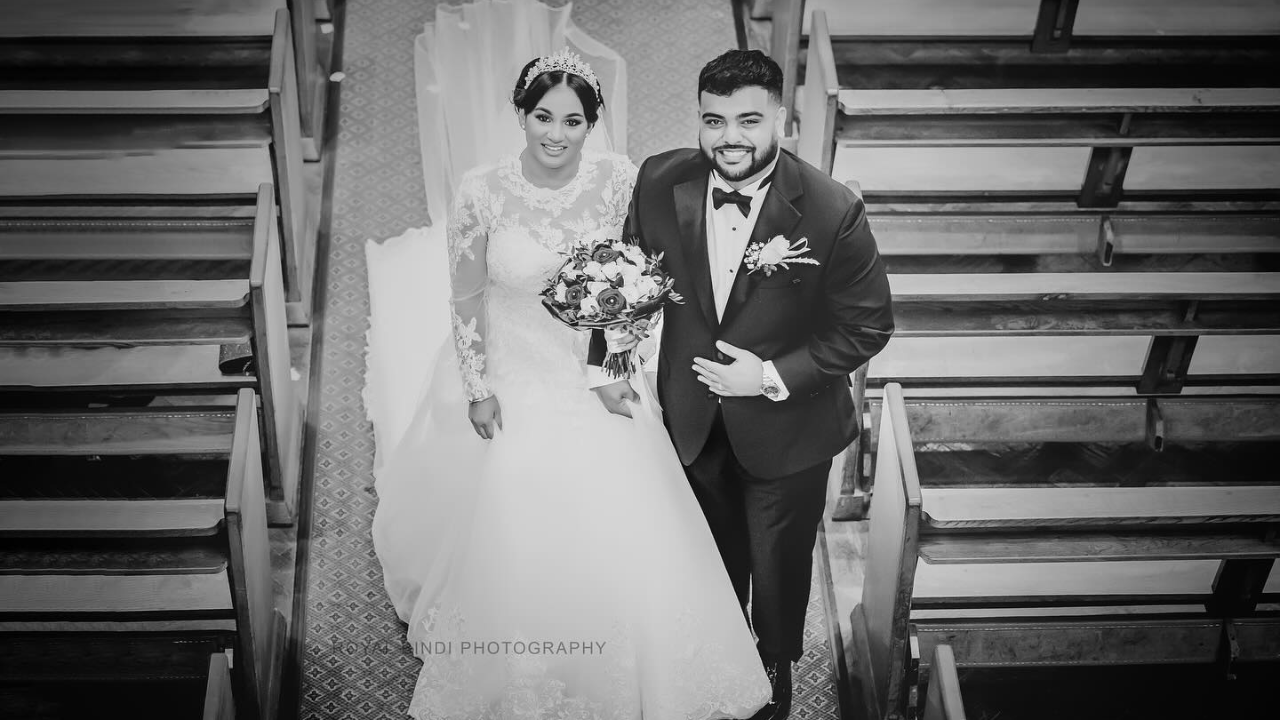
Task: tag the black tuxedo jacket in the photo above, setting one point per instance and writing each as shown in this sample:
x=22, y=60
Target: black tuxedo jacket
x=816, y=323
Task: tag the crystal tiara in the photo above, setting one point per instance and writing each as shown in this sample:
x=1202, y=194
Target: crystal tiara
x=564, y=61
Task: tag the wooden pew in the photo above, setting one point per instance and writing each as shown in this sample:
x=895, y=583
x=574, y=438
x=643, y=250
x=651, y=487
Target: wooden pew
x=937, y=241
x=976, y=337
x=192, y=683
x=1067, y=335
x=1092, y=176
x=1096, y=575
x=155, y=144
x=150, y=337
x=1095, y=146
x=144, y=562
x=1019, y=18
x=1066, y=116
x=1099, y=145
x=1155, y=332
x=180, y=678
x=213, y=34
x=819, y=100
x=1134, y=363
x=919, y=44
x=945, y=214
x=1239, y=412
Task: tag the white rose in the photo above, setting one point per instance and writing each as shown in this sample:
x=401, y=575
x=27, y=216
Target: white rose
x=572, y=272
x=631, y=293
x=775, y=251
x=560, y=288
x=588, y=306
x=646, y=287
x=593, y=270
x=611, y=270
x=595, y=288
x=631, y=273
x=634, y=254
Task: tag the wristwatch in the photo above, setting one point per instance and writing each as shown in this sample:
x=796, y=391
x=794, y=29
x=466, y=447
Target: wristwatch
x=769, y=388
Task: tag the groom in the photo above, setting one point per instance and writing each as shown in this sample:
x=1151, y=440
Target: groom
x=754, y=366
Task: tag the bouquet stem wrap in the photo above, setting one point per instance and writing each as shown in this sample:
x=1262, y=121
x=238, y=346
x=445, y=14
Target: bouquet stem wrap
x=620, y=365
x=621, y=362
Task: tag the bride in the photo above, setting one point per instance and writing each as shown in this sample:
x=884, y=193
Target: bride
x=549, y=557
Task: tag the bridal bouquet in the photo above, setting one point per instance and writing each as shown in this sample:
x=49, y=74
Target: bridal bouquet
x=610, y=285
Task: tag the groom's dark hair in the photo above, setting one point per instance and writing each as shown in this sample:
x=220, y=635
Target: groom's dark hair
x=737, y=69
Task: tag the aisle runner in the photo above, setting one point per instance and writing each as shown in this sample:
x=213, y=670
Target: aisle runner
x=356, y=663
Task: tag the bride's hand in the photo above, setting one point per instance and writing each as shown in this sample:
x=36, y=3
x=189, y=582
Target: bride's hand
x=615, y=397
x=486, y=417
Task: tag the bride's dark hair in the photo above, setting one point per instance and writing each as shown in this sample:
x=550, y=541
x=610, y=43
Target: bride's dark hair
x=527, y=98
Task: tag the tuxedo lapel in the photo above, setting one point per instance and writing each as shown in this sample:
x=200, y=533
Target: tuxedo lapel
x=691, y=217
x=778, y=216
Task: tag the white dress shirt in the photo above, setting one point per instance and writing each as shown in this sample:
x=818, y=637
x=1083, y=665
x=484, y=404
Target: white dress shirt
x=728, y=233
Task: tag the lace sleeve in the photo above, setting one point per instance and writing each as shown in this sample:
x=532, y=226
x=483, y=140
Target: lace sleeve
x=617, y=193
x=468, y=276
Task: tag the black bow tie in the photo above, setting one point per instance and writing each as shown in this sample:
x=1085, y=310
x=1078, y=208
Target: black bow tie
x=719, y=197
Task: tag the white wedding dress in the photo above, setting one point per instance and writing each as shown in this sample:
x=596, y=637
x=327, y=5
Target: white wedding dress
x=562, y=570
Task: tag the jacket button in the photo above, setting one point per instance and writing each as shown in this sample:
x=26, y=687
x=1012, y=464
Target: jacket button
x=721, y=357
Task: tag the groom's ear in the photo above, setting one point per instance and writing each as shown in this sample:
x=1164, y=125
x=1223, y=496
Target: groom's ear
x=780, y=121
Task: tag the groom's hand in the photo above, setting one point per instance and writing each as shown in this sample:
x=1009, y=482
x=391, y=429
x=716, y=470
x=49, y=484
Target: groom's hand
x=740, y=379
x=617, y=397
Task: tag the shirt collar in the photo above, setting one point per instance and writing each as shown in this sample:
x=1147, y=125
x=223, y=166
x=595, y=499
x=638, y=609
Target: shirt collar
x=753, y=189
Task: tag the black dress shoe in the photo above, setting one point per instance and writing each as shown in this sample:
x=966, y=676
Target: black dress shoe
x=779, y=672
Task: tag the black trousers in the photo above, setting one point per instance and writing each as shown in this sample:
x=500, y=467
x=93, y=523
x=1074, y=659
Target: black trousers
x=765, y=530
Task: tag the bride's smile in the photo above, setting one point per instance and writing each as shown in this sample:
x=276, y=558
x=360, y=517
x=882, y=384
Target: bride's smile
x=555, y=131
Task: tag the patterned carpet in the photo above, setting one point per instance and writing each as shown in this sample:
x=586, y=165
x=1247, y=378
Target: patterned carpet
x=356, y=663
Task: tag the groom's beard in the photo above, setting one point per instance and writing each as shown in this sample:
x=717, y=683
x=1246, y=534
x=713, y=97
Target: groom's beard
x=760, y=159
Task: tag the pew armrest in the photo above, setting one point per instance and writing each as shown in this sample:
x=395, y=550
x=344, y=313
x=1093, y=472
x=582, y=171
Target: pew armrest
x=942, y=699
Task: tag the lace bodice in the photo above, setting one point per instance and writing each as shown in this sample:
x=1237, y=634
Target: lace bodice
x=505, y=237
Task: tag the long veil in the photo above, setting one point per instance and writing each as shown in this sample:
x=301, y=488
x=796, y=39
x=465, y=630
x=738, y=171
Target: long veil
x=465, y=64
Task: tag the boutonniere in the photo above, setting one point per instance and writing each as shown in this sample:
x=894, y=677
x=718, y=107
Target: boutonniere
x=778, y=252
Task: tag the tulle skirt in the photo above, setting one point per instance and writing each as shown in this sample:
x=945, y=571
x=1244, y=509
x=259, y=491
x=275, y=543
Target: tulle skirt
x=561, y=570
